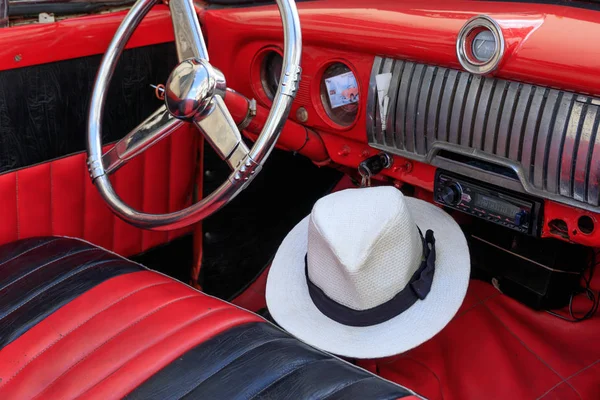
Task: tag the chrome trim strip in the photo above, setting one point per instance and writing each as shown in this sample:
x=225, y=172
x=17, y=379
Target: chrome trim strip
x=372, y=99
x=541, y=150
x=548, y=137
x=579, y=179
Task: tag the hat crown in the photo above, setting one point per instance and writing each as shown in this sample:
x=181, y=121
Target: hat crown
x=363, y=246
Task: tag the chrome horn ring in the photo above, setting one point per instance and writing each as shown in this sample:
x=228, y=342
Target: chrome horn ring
x=194, y=93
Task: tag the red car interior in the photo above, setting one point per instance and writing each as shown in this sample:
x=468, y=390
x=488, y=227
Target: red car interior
x=94, y=307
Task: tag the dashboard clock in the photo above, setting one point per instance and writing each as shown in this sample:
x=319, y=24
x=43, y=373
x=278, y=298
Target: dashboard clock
x=484, y=46
x=480, y=45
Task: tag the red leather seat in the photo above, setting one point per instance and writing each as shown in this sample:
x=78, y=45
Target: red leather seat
x=79, y=322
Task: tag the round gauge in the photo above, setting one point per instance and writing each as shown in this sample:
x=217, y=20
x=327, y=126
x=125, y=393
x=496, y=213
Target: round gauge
x=270, y=73
x=480, y=45
x=340, y=94
x=483, y=46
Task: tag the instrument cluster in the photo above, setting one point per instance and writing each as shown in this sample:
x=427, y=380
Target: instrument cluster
x=335, y=88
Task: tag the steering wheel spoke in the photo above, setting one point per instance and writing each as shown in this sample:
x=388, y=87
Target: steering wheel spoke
x=188, y=34
x=156, y=127
x=194, y=94
x=220, y=130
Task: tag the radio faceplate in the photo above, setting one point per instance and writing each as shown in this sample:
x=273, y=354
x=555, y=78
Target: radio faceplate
x=487, y=202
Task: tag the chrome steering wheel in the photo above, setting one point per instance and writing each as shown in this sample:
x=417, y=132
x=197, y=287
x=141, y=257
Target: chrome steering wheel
x=194, y=94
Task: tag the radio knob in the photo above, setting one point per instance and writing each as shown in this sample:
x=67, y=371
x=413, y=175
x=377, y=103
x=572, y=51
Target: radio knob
x=521, y=217
x=451, y=194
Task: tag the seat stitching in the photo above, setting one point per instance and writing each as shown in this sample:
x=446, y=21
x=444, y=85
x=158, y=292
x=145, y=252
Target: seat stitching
x=287, y=375
x=568, y=379
x=80, y=325
x=437, y=378
x=153, y=344
x=39, y=267
x=64, y=278
x=547, y=392
x=232, y=361
x=348, y=385
x=583, y=369
x=540, y=359
x=27, y=251
x=127, y=327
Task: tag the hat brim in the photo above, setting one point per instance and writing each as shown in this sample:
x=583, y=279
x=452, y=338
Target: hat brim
x=291, y=306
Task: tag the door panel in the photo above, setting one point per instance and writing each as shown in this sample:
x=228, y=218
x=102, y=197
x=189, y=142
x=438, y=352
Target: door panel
x=43, y=108
x=44, y=184
x=58, y=198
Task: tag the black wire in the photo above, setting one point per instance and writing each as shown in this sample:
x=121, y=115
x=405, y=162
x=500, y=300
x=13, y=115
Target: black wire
x=590, y=294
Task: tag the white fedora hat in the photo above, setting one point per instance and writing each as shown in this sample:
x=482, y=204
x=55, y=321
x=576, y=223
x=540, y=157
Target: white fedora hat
x=369, y=273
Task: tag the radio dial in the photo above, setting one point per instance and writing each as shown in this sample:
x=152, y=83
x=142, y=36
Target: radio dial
x=521, y=217
x=451, y=194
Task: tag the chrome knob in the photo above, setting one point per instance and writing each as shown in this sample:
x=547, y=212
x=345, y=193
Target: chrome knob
x=191, y=87
x=451, y=194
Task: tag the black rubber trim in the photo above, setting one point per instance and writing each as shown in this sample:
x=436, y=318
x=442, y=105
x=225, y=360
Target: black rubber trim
x=259, y=361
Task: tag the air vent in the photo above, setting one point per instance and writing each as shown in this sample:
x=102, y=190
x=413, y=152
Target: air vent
x=548, y=136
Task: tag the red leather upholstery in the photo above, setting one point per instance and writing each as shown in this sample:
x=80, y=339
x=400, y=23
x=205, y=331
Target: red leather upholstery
x=79, y=322
x=58, y=198
x=113, y=337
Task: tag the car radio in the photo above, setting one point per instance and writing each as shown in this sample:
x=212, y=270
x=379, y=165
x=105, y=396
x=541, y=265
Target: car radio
x=494, y=204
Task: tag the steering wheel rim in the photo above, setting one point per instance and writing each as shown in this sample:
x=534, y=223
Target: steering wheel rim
x=245, y=163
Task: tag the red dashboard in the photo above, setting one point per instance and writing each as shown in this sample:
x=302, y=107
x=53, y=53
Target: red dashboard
x=545, y=45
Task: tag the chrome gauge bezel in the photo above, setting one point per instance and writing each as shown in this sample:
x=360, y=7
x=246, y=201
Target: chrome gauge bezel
x=269, y=86
x=464, y=42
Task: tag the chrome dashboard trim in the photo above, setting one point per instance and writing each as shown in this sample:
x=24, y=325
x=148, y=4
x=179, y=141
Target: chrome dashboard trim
x=549, y=138
x=469, y=63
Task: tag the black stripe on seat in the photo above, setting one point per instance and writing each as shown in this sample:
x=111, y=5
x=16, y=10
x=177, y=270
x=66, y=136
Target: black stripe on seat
x=368, y=385
x=38, y=276
x=259, y=361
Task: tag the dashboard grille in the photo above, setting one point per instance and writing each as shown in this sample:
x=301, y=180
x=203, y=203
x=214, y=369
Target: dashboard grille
x=548, y=137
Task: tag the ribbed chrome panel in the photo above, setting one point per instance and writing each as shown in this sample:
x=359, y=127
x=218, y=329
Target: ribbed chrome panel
x=548, y=137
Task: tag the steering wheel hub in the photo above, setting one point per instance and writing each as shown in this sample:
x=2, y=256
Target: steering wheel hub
x=194, y=93
x=191, y=87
